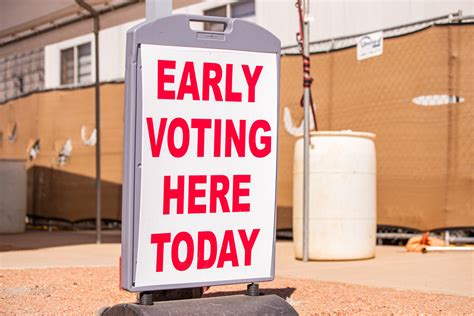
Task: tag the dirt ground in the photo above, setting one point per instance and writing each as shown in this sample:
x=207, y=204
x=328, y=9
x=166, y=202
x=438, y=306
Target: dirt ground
x=81, y=291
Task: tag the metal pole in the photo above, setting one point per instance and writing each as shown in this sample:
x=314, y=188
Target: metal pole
x=156, y=9
x=98, y=186
x=306, y=101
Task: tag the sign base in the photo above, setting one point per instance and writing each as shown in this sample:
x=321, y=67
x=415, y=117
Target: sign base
x=147, y=298
x=223, y=305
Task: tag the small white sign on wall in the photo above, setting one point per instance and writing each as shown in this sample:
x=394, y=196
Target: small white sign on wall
x=370, y=45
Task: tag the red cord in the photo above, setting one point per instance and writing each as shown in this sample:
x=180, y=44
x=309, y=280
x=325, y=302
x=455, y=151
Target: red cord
x=307, y=80
x=300, y=13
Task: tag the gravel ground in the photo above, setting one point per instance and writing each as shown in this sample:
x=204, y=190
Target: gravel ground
x=81, y=291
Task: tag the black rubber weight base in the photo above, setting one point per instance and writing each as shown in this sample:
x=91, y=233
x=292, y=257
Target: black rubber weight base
x=223, y=305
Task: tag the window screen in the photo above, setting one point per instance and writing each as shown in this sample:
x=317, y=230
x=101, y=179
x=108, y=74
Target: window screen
x=84, y=63
x=67, y=66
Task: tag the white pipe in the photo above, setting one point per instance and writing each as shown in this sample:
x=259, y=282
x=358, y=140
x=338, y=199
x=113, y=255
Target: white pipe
x=447, y=248
x=156, y=9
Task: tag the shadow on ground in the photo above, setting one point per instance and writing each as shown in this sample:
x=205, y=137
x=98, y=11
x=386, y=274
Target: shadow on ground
x=43, y=239
x=282, y=292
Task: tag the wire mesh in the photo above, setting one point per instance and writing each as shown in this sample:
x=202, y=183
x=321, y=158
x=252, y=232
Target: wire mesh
x=417, y=97
x=21, y=74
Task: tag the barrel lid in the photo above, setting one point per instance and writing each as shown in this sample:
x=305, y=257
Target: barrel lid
x=347, y=133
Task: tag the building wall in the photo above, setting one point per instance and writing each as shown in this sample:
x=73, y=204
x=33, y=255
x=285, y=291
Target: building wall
x=84, y=26
x=112, y=42
x=342, y=18
x=330, y=19
x=424, y=153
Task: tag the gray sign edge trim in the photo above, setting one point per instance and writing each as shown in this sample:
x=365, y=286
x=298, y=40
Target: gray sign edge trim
x=174, y=31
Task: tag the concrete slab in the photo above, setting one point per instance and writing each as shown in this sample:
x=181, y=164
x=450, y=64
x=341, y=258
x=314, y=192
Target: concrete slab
x=393, y=267
x=42, y=249
x=89, y=255
x=36, y=239
x=444, y=273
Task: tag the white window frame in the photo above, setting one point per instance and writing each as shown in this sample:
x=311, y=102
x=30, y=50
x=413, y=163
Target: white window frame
x=75, y=56
x=228, y=11
x=52, y=64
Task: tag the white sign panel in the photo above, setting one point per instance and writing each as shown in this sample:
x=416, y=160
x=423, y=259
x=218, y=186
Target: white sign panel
x=208, y=173
x=370, y=45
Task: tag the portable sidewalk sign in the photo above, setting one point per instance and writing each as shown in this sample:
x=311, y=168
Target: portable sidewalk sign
x=200, y=154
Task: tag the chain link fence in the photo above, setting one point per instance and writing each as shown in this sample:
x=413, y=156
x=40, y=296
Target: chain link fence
x=21, y=74
x=417, y=97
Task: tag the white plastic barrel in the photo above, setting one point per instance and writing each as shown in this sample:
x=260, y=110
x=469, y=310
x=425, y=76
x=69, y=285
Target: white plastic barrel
x=342, y=196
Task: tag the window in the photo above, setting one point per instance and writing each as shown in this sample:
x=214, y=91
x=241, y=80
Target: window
x=242, y=9
x=215, y=27
x=67, y=66
x=219, y=11
x=76, y=65
x=84, y=63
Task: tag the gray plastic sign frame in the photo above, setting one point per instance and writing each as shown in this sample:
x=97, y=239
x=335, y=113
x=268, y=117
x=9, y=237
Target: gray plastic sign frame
x=174, y=30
